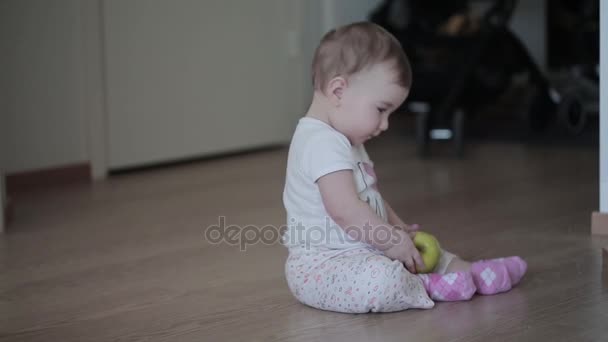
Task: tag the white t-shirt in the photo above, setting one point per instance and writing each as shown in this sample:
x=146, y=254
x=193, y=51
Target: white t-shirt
x=316, y=150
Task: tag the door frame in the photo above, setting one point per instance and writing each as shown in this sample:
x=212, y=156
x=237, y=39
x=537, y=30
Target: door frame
x=94, y=86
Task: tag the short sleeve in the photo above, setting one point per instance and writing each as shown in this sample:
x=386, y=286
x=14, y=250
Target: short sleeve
x=327, y=152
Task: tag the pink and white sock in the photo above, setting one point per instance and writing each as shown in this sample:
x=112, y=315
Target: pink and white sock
x=490, y=277
x=516, y=267
x=449, y=287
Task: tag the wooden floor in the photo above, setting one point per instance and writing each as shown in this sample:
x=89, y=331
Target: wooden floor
x=127, y=259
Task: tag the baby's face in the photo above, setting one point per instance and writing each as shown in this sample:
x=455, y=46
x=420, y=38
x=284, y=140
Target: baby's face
x=367, y=101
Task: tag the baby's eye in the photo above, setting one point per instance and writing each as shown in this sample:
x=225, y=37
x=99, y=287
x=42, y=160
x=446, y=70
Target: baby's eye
x=381, y=110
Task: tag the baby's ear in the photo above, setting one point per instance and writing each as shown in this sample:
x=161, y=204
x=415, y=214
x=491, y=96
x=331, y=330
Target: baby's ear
x=335, y=89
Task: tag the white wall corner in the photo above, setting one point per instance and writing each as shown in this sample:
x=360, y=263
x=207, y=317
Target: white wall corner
x=94, y=99
x=2, y=200
x=529, y=24
x=604, y=106
x=296, y=38
x=328, y=15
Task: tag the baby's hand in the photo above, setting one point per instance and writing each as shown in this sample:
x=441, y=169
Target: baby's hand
x=405, y=251
x=411, y=229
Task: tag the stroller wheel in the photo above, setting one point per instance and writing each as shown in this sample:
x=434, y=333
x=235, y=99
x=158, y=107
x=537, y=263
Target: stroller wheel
x=458, y=122
x=422, y=133
x=572, y=114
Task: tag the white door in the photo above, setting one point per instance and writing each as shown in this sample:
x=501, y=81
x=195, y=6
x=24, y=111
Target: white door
x=187, y=78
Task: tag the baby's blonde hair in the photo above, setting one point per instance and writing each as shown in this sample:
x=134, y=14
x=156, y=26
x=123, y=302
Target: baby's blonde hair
x=346, y=50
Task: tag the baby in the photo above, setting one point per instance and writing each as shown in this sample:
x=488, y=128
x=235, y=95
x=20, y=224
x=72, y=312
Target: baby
x=348, y=249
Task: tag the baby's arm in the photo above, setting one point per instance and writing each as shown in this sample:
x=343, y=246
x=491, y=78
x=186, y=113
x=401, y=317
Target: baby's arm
x=395, y=220
x=343, y=205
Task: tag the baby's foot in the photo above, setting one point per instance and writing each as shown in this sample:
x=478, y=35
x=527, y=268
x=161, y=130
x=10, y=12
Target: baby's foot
x=516, y=266
x=490, y=277
x=449, y=287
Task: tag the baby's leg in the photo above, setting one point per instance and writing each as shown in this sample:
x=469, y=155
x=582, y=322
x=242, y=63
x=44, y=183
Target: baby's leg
x=491, y=276
x=516, y=267
x=498, y=275
x=458, y=265
x=354, y=281
x=451, y=280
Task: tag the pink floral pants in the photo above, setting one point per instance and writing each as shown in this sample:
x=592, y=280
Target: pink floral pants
x=356, y=280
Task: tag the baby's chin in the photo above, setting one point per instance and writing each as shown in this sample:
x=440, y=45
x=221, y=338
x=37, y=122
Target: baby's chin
x=363, y=140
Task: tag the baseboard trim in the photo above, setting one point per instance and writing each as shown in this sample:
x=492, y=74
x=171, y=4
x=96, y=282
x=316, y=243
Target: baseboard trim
x=30, y=180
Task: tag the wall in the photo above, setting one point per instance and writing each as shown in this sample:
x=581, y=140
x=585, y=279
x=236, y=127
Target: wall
x=40, y=85
x=2, y=199
x=192, y=78
x=312, y=29
x=341, y=12
x=2, y=156
x=604, y=107
x=529, y=23
x=41, y=90
x=51, y=90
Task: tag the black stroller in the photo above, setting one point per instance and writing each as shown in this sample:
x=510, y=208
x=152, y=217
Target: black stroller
x=460, y=64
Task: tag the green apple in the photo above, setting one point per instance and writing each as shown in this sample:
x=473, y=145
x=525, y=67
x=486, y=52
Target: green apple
x=429, y=249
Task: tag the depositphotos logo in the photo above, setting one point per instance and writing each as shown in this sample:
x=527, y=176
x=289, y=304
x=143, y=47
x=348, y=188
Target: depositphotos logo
x=248, y=235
